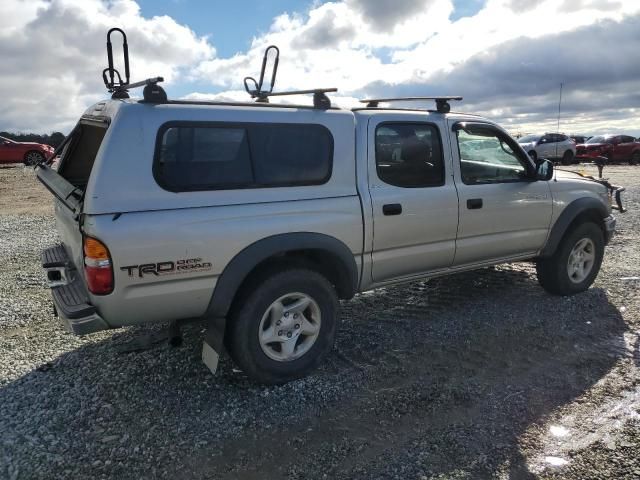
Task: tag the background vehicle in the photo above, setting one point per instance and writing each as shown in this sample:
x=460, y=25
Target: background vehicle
x=615, y=148
x=555, y=146
x=29, y=153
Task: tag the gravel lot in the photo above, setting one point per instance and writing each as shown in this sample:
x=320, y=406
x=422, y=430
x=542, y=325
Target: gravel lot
x=478, y=375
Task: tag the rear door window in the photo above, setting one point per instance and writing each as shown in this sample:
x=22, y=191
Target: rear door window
x=409, y=155
x=216, y=156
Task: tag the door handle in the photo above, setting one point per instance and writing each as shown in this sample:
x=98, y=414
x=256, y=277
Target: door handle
x=474, y=203
x=392, y=209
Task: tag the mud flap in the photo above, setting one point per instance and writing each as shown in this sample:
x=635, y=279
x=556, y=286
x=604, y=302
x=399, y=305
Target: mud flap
x=213, y=343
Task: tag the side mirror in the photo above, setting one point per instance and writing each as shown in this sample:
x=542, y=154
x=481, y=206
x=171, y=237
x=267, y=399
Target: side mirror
x=544, y=169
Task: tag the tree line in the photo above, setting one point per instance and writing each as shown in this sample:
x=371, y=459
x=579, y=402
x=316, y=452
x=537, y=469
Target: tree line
x=54, y=139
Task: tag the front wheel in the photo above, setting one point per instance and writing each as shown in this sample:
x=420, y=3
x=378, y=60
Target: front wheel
x=635, y=159
x=576, y=262
x=33, y=158
x=284, y=327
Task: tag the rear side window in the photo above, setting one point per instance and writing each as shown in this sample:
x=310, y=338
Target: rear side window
x=409, y=155
x=216, y=156
x=78, y=157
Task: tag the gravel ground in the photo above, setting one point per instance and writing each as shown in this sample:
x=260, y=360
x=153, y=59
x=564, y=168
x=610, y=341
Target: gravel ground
x=477, y=375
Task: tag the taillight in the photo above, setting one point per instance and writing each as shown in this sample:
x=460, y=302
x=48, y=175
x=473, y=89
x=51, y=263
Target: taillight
x=98, y=270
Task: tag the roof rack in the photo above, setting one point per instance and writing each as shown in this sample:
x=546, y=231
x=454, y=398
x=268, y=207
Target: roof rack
x=320, y=99
x=442, y=103
x=119, y=88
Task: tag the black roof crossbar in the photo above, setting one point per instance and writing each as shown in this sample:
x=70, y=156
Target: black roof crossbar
x=119, y=88
x=320, y=99
x=442, y=103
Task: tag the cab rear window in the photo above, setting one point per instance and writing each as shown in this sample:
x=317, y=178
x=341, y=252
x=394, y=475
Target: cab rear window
x=215, y=156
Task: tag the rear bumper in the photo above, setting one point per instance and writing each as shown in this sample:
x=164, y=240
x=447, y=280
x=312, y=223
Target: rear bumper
x=610, y=227
x=70, y=297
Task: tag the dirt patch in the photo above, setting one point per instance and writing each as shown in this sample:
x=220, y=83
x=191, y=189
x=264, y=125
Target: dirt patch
x=20, y=194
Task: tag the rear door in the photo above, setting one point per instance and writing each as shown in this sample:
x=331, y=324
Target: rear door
x=503, y=213
x=544, y=147
x=414, y=201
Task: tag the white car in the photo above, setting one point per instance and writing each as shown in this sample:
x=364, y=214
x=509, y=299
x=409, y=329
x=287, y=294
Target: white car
x=554, y=146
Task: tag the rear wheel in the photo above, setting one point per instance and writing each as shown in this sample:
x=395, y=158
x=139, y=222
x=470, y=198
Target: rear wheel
x=567, y=158
x=635, y=158
x=33, y=158
x=284, y=326
x=576, y=262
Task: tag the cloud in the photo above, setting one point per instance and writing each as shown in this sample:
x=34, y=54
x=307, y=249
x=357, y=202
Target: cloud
x=508, y=64
x=518, y=81
x=507, y=57
x=53, y=58
x=385, y=14
x=325, y=32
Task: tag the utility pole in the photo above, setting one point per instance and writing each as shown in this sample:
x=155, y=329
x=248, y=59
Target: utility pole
x=559, y=109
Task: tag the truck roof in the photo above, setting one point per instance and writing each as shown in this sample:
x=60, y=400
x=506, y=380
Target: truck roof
x=109, y=108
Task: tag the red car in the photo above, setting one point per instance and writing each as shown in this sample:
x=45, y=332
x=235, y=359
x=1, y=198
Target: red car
x=613, y=147
x=28, y=153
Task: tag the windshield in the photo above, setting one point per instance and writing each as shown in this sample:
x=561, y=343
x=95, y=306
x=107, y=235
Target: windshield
x=4, y=139
x=529, y=138
x=599, y=139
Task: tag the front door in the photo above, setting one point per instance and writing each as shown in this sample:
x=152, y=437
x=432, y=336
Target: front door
x=503, y=212
x=414, y=200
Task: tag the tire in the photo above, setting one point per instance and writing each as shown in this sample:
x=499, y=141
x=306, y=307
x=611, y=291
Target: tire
x=533, y=154
x=567, y=158
x=635, y=159
x=32, y=157
x=554, y=272
x=293, y=351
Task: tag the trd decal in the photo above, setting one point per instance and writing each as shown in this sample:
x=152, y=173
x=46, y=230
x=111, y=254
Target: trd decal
x=185, y=265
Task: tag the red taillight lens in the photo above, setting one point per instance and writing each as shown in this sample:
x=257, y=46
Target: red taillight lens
x=98, y=270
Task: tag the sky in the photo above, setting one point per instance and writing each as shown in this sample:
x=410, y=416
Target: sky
x=507, y=58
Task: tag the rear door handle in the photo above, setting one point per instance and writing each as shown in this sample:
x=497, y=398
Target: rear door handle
x=474, y=203
x=392, y=209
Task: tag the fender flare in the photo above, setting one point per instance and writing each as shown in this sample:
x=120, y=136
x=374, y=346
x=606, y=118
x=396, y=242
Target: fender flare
x=239, y=268
x=566, y=218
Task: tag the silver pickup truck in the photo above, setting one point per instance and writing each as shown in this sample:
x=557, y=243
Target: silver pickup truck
x=257, y=218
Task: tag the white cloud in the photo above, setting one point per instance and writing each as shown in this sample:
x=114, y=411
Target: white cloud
x=420, y=47
x=52, y=59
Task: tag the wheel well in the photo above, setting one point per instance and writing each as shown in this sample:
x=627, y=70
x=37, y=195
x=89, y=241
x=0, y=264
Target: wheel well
x=590, y=215
x=324, y=262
